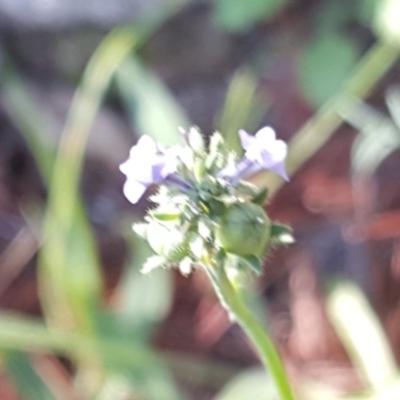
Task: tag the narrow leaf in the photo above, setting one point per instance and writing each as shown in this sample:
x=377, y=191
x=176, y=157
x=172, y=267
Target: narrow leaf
x=358, y=327
x=149, y=103
x=27, y=380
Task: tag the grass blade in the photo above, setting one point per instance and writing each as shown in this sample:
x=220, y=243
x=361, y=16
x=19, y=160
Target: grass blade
x=361, y=334
x=27, y=380
x=152, y=108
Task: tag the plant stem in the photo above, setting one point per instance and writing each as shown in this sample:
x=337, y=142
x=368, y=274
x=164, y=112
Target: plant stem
x=233, y=303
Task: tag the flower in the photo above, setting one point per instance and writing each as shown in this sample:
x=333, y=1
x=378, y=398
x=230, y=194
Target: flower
x=265, y=151
x=146, y=166
x=262, y=151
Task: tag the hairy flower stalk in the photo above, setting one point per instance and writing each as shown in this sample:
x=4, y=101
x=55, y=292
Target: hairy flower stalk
x=207, y=216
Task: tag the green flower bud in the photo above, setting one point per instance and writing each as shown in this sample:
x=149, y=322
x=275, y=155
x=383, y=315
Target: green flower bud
x=244, y=229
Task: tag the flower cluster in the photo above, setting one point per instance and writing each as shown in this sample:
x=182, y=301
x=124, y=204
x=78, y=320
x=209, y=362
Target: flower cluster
x=205, y=209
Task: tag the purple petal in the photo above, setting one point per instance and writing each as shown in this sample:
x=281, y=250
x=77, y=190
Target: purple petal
x=170, y=164
x=245, y=139
x=144, y=151
x=145, y=166
x=263, y=151
x=280, y=170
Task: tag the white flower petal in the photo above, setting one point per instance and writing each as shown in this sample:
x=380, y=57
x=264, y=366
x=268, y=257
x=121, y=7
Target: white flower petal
x=146, y=144
x=278, y=151
x=263, y=151
x=133, y=190
x=266, y=135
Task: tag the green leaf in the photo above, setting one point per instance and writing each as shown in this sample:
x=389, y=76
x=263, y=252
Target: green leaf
x=152, y=109
x=68, y=267
x=26, y=378
x=324, y=65
x=240, y=16
x=70, y=279
x=29, y=334
x=119, y=355
x=144, y=301
x=251, y=384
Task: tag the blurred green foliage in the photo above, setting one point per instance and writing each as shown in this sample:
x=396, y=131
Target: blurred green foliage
x=251, y=384
x=324, y=66
x=149, y=104
x=240, y=16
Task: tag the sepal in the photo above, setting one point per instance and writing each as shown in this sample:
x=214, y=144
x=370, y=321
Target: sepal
x=254, y=263
x=152, y=263
x=261, y=197
x=165, y=213
x=281, y=234
x=186, y=266
x=196, y=141
x=215, y=159
x=141, y=230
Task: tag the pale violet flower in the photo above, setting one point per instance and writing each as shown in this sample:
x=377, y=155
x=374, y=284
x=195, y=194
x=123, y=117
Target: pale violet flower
x=145, y=166
x=148, y=165
x=262, y=151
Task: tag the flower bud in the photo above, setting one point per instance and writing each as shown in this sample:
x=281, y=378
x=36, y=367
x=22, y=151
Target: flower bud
x=244, y=229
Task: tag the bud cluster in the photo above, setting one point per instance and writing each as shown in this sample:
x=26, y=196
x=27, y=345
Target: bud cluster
x=203, y=208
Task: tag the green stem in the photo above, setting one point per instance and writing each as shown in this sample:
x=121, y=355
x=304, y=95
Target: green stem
x=252, y=328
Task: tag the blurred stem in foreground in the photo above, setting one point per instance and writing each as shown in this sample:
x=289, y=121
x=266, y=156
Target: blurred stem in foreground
x=64, y=285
